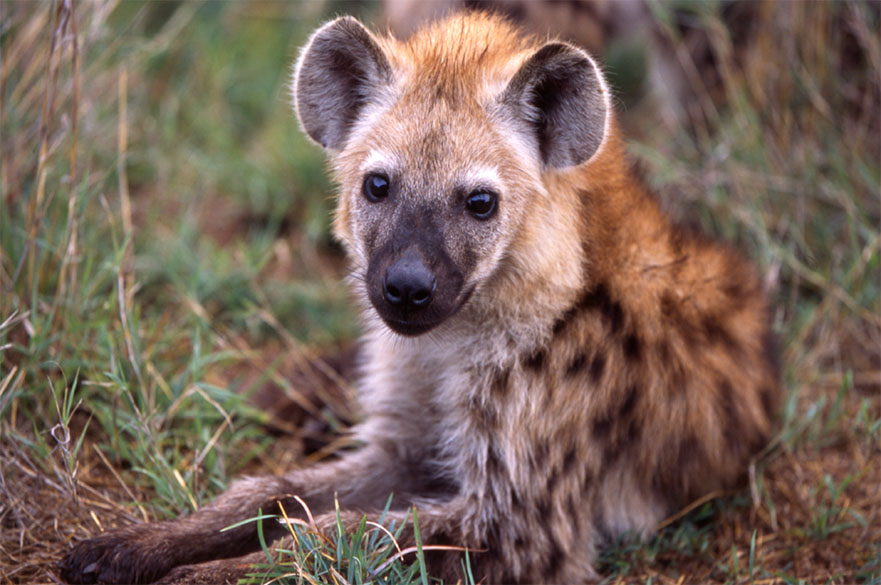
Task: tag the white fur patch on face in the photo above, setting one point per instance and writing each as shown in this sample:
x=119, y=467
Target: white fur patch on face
x=486, y=177
x=380, y=161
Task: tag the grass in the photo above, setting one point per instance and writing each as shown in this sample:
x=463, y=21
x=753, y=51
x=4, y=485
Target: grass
x=166, y=272
x=368, y=554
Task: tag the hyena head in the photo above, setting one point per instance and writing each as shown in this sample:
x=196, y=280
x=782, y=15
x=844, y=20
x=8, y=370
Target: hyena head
x=440, y=145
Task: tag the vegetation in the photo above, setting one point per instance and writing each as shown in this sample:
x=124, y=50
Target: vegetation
x=165, y=266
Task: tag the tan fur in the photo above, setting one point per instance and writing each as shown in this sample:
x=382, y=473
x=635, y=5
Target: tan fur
x=607, y=369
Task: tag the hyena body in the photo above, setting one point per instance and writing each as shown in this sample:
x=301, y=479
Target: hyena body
x=548, y=362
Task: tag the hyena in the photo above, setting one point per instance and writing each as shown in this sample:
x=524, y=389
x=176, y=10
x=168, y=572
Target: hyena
x=548, y=362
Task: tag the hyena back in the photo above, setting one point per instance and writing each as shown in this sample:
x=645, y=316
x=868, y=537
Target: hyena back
x=548, y=362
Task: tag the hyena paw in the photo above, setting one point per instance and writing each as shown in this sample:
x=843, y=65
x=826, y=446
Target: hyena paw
x=221, y=572
x=137, y=554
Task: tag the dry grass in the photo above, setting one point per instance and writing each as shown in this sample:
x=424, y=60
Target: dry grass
x=121, y=329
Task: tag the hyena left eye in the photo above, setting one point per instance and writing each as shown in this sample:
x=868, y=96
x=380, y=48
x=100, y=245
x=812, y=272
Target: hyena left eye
x=376, y=186
x=481, y=204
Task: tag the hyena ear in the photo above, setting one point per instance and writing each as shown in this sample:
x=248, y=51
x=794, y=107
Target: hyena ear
x=560, y=94
x=341, y=69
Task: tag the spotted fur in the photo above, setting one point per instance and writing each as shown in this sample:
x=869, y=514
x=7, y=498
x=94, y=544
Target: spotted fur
x=589, y=368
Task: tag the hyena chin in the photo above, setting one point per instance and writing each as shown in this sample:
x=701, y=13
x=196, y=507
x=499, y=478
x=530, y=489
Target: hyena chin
x=548, y=362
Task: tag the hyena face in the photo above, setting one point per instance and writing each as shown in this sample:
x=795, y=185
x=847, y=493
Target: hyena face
x=439, y=166
x=428, y=211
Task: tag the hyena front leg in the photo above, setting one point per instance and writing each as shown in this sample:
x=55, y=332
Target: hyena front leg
x=439, y=524
x=144, y=553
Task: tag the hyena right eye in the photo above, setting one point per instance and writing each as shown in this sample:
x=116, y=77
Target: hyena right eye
x=481, y=204
x=376, y=186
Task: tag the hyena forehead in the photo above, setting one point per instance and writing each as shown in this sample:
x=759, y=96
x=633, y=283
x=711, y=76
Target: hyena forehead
x=549, y=100
x=470, y=56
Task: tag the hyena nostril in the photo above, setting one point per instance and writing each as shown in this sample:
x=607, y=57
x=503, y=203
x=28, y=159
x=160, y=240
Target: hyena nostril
x=420, y=297
x=392, y=294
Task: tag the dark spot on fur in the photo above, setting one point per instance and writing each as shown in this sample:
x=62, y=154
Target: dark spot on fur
x=536, y=361
x=500, y=384
x=596, y=298
x=768, y=396
x=624, y=421
x=632, y=347
x=628, y=436
x=553, y=479
x=597, y=366
x=599, y=300
x=569, y=460
x=576, y=365
x=715, y=332
x=560, y=324
x=621, y=433
x=737, y=292
x=668, y=304
x=554, y=560
x=515, y=499
x=734, y=289
x=615, y=317
x=587, y=476
x=629, y=403
x=543, y=508
x=539, y=455
x=602, y=426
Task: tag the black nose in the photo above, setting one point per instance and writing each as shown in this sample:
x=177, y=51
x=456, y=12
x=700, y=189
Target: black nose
x=408, y=282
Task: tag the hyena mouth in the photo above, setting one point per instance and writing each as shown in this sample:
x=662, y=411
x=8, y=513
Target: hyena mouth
x=413, y=291
x=420, y=324
x=409, y=328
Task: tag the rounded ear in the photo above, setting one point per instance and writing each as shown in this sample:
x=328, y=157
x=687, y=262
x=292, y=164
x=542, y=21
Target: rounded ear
x=340, y=69
x=561, y=95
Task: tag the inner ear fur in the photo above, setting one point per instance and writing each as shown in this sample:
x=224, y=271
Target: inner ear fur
x=560, y=94
x=341, y=69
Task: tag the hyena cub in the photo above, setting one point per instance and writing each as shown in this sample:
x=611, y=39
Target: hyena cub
x=548, y=363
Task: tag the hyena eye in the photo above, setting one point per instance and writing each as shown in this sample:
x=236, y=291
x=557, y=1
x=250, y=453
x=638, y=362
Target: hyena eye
x=376, y=186
x=481, y=204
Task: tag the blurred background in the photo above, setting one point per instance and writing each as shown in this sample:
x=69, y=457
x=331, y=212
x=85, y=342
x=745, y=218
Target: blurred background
x=172, y=305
